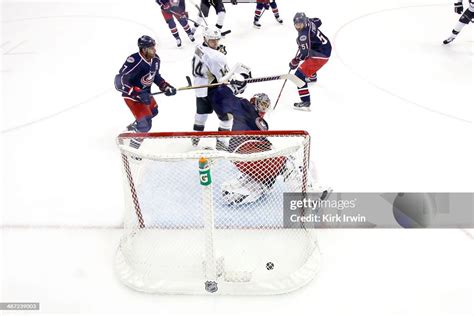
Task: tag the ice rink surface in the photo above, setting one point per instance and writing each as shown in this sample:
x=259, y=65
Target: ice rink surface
x=391, y=111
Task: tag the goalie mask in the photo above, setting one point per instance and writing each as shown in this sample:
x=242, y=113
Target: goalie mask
x=261, y=102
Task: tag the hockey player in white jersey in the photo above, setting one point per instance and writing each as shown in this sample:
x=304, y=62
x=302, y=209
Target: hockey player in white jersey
x=209, y=65
x=466, y=17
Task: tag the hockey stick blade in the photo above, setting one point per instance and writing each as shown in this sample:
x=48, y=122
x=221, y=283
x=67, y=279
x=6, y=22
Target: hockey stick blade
x=226, y=32
x=297, y=81
x=188, y=80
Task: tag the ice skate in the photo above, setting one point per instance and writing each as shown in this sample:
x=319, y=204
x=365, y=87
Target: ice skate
x=449, y=40
x=256, y=25
x=302, y=106
x=178, y=42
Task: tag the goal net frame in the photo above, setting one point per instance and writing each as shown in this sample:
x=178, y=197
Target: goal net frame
x=216, y=278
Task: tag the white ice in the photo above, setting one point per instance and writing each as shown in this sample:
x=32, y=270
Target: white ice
x=391, y=111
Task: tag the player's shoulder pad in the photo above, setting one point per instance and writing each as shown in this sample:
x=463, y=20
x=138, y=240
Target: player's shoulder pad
x=215, y=55
x=133, y=58
x=199, y=51
x=316, y=21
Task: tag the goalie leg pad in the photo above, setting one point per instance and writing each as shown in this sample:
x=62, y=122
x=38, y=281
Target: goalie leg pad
x=242, y=190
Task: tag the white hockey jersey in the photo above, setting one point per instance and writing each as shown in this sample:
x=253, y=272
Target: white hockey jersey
x=209, y=66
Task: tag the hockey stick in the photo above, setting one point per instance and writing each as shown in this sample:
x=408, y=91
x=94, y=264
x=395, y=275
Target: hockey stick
x=284, y=83
x=297, y=81
x=200, y=13
x=180, y=15
x=281, y=90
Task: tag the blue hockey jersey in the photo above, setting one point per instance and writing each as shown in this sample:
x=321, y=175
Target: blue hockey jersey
x=138, y=72
x=312, y=42
x=246, y=117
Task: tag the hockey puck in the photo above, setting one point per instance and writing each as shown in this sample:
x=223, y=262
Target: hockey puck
x=270, y=265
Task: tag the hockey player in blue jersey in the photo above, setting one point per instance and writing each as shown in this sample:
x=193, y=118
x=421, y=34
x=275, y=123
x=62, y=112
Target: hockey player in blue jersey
x=263, y=5
x=314, y=50
x=176, y=9
x=134, y=81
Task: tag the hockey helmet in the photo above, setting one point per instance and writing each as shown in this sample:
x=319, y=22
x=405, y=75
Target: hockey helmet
x=261, y=102
x=146, y=41
x=300, y=17
x=211, y=33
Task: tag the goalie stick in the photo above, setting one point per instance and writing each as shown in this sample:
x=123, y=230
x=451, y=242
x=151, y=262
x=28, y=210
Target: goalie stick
x=297, y=81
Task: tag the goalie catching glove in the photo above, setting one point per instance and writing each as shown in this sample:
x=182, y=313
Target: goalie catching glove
x=242, y=190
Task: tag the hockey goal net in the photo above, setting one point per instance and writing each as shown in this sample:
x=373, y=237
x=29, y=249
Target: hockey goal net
x=199, y=220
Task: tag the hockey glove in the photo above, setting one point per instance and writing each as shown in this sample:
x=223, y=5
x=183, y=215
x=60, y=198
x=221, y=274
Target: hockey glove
x=222, y=49
x=170, y=90
x=294, y=63
x=166, y=6
x=238, y=86
x=458, y=8
x=234, y=2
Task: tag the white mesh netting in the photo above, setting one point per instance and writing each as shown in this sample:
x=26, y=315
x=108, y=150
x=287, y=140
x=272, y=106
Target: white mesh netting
x=200, y=220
